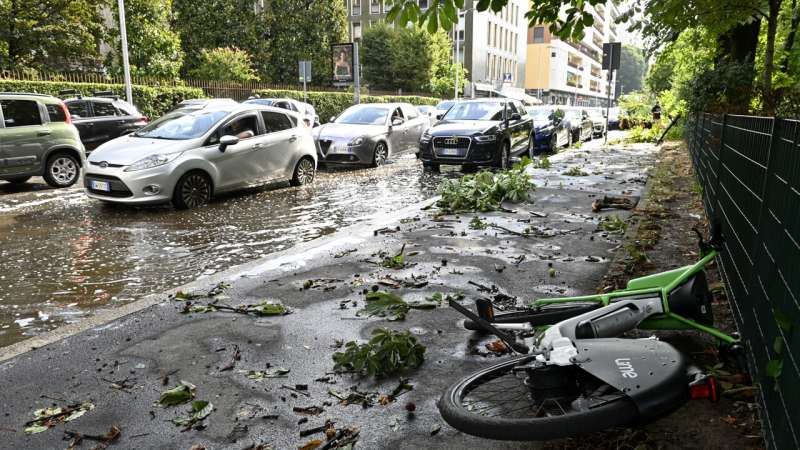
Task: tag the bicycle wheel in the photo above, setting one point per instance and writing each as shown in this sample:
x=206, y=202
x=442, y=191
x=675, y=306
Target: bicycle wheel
x=546, y=315
x=547, y=402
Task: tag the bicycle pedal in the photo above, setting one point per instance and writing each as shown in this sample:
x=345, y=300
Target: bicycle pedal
x=705, y=387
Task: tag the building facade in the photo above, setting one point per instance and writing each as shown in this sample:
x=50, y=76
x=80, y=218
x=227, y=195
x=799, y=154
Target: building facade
x=570, y=73
x=491, y=46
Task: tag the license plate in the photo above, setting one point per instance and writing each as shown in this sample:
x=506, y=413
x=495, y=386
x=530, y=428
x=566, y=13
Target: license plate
x=342, y=148
x=450, y=152
x=100, y=185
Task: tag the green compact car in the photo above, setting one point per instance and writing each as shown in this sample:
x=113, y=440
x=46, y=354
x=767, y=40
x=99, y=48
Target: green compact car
x=37, y=138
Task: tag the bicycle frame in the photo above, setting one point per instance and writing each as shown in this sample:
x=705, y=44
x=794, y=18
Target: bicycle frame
x=662, y=284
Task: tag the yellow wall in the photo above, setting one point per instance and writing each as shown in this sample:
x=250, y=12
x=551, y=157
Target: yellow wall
x=537, y=67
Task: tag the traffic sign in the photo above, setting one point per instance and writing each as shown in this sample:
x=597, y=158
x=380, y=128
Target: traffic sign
x=305, y=71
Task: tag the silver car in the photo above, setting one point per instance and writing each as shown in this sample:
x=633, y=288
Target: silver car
x=310, y=117
x=186, y=157
x=370, y=133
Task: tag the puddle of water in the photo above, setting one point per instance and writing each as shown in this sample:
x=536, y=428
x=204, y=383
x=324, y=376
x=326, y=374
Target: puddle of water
x=63, y=256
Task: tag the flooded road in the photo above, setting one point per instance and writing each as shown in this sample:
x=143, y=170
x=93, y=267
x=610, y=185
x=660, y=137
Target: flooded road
x=62, y=255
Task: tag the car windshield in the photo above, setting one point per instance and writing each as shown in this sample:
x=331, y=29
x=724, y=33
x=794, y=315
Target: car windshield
x=540, y=114
x=594, y=114
x=182, y=125
x=364, y=115
x=476, y=111
x=445, y=105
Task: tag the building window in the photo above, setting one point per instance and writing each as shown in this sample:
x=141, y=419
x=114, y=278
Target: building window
x=596, y=71
x=355, y=10
x=538, y=35
x=489, y=35
x=375, y=6
x=356, y=30
x=423, y=4
x=573, y=79
x=575, y=61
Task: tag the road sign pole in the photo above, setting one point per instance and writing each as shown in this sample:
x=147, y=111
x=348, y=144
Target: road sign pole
x=356, y=75
x=125, y=64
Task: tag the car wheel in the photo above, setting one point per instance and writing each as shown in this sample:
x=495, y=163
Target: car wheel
x=505, y=156
x=17, y=180
x=303, y=172
x=380, y=155
x=569, y=139
x=553, y=143
x=62, y=170
x=433, y=167
x=192, y=190
x=532, y=146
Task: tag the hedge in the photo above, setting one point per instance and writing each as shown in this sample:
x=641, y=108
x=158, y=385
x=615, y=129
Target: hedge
x=330, y=104
x=151, y=101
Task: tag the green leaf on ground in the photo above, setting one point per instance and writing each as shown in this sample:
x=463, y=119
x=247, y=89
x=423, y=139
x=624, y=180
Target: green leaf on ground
x=277, y=372
x=774, y=368
x=200, y=410
x=181, y=393
x=267, y=308
x=387, y=352
x=385, y=304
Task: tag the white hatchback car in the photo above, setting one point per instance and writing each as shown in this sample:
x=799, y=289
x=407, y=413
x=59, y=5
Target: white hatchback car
x=186, y=157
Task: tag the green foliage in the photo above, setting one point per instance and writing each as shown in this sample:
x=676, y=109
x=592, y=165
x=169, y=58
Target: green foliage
x=199, y=411
x=385, y=304
x=154, y=48
x=46, y=34
x=181, y=393
x=575, y=171
x=477, y=224
x=408, y=59
x=484, y=191
x=387, y=352
x=641, y=134
x=328, y=104
x=524, y=162
x=225, y=63
x=542, y=163
x=613, y=224
x=151, y=101
x=636, y=107
x=631, y=69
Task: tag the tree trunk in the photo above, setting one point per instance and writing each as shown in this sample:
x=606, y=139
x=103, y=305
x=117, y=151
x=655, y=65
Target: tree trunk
x=789, y=43
x=769, y=55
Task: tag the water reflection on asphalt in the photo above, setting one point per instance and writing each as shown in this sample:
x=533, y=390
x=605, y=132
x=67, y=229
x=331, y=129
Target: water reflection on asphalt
x=63, y=255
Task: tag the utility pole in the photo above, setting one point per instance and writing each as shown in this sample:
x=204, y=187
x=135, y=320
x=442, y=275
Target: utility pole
x=356, y=74
x=125, y=64
x=456, y=67
x=608, y=95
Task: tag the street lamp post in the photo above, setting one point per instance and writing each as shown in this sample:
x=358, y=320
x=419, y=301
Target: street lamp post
x=457, y=37
x=125, y=64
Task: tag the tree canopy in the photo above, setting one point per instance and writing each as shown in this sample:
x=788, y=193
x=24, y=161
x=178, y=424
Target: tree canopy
x=631, y=70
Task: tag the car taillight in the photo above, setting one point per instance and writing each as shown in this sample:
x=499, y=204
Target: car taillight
x=67, y=115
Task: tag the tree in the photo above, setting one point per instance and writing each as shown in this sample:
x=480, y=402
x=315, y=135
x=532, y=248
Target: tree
x=50, y=34
x=226, y=63
x=631, y=70
x=154, y=48
x=376, y=56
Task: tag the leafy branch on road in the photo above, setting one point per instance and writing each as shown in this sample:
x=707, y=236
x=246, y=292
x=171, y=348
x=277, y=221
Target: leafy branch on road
x=386, y=353
x=46, y=418
x=265, y=308
x=484, y=191
x=391, y=306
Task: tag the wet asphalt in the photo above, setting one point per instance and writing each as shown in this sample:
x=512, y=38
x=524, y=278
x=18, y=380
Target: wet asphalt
x=137, y=351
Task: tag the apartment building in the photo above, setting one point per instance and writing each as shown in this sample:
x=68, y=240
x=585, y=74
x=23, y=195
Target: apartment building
x=569, y=72
x=492, y=46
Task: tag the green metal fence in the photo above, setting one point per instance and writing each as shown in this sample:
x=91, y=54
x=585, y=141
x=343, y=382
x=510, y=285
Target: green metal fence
x=749, y=171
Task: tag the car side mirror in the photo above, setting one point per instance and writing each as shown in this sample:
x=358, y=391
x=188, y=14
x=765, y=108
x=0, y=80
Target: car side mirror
x=439, y=116
x=516, y=116
x=331, y=119
x=397, y=121
x=226, y=141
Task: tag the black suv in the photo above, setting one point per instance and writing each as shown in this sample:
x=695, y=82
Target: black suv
x=484, y=132
x=102, y=117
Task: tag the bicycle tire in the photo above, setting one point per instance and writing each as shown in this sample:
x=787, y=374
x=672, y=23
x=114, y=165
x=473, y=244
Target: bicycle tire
x=547, y=315
x=619, y=412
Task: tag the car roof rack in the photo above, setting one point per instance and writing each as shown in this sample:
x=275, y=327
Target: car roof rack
x=67, y=92
x=26, y=93
x=105, y=94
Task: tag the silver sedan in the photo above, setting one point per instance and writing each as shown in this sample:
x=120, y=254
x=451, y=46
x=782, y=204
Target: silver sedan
x=370, y=133
x=186, y=157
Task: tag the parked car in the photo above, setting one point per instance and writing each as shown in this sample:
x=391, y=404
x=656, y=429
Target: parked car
x=429, y=111
x=370, y=133
x=598, y=122
x=484, y=132
x=310, y=117
x=613, y=118
x=578, y=124
x=37, y=138
x=102, y=117
x=193, y=104
x=548, y=125
x=187, y=157
x=442, y=107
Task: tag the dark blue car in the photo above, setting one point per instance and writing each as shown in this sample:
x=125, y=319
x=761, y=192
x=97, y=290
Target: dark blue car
x=549, y=129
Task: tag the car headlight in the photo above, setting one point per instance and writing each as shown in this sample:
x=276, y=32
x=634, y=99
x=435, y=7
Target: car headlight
x=151, y=161
x=357, y=141
x=489, y=138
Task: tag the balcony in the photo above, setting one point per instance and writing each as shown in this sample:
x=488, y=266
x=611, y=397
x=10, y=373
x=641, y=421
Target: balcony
x=575, y=61
x=586, y=50
x=574, y=80
x=596, y=72
x=597, y=39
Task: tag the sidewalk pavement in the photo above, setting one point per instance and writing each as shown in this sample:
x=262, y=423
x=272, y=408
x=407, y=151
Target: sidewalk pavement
x=120, y=366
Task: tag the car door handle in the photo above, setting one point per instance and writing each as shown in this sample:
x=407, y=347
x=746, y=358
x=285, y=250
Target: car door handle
x=121, y=122
x=258, y=145
x=44, y=132
x=293, y=138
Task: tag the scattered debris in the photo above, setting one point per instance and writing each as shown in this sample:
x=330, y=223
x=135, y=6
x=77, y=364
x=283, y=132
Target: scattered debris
x=613, y=224
x=326, y=428
x=199, y=411
x=103, y=441
x=181, y=393
x=614, y=202
x=236, y=356
x=311, y=445
x=497, y=346
x=575, y=171
x=344, y=253
x=388, y=352
x=390, y=306
x=46, y=418
x=278, y=372
x=394, y=262
x=484, y=191
x=477, y=224
x=440, y=298
x=435, y=429
x=343, y=439
x=265, y=308
x=309, y=410
x=295, y=390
